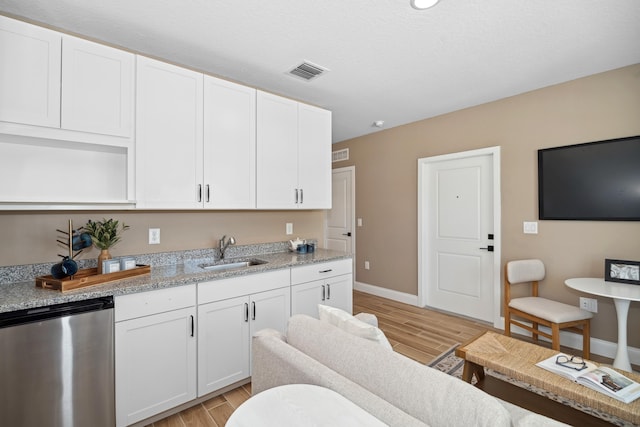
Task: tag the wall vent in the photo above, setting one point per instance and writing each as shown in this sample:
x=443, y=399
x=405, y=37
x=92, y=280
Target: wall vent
x=308, y=71
x=340, y=155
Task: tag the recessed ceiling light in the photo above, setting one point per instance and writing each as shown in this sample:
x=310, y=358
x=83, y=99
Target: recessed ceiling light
x=423, y=4
x=378, y=123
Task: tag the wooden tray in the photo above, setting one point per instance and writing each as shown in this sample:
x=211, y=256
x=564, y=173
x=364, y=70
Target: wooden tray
x=89, y=277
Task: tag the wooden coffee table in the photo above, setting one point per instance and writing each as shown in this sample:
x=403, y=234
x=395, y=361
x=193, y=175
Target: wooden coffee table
x=517, y=359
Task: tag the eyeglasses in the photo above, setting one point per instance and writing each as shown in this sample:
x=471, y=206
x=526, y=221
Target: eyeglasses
x=572, y=362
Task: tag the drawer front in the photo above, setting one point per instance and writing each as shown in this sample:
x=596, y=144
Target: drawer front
x=153, y=302
x=321, y=270
x=217, y=290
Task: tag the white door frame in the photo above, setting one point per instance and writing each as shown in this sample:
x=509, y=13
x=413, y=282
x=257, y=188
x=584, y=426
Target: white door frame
x=352, y=172
x=494, y=152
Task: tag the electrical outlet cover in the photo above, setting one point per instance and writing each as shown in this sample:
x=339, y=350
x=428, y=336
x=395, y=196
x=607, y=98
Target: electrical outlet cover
x=154, y=236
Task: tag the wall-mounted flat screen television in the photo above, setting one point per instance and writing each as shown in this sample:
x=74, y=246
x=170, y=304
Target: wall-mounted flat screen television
x=595, y=181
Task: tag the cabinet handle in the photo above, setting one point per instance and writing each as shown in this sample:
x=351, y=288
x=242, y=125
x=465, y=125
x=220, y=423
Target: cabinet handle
x=199, y=192
x=323, y=293
x=208, y=194
x=192, y=326
x=296, y=196
x=246, y=312
x=326, y=271
x=253, y=309
x=328, y=291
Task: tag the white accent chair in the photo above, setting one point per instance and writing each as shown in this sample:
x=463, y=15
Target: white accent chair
x=541, y=311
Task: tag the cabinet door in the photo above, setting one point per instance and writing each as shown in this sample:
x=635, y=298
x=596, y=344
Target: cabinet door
x=155, y=364
x=306, y=297
x=223, y=343
x=270, y=309
x=29, y=74
x=229, y=145
x=314, y=157
x=277, y=152
x=339, y=292
x=168, y=136
x=97, y=88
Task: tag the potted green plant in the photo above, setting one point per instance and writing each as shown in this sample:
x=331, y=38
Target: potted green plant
x=104, y=234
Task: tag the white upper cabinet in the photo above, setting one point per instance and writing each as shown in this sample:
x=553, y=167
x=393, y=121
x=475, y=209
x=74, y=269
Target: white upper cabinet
x=293, y=154
x=29, y=74
x=34, y=88
x=314, y=157
x=277, y=152
x=229, y=145
x=147, y=134
x=169, y=132
x=53, y=83
x=97, y=88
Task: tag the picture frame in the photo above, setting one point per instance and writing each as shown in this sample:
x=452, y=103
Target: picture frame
x=621, y=271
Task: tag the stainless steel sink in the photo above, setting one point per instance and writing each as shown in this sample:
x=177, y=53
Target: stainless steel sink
x=232, y=264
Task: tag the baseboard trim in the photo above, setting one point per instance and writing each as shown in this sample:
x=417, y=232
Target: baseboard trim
x=386, y=293
x=598, y=346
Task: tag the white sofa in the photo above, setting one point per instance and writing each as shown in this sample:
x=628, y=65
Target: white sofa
x=388, y=385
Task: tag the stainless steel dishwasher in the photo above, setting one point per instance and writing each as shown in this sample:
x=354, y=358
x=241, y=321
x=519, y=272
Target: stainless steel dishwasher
x=56, y=365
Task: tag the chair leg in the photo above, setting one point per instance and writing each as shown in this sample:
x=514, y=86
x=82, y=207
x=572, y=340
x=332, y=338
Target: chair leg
x=534, y=333
x=586, y=339
x=507, y=324
x=555, y=336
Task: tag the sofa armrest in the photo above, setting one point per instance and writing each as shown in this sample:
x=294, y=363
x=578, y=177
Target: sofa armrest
x=275, y=363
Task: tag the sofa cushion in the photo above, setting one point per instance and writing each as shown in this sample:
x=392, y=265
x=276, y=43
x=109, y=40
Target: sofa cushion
x=429, y=395
x=352, y=325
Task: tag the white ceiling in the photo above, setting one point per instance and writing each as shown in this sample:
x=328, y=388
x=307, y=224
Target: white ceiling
x=388, y=61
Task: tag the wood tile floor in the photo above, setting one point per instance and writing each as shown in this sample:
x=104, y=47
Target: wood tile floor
x=418, y=333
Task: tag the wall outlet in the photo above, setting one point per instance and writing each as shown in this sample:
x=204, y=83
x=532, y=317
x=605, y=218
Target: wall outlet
x=154, y=236
x=289, y=228
x=530, y=227
x=589, y=304
x=366, y=265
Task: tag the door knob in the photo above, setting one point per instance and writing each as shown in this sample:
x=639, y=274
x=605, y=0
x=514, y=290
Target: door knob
x=347, y=234
x=488, y=248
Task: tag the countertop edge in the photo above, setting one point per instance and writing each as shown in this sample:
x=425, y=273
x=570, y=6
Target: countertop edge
x=25, y=295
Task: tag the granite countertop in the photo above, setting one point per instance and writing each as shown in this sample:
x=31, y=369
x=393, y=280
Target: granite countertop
x=24, y=294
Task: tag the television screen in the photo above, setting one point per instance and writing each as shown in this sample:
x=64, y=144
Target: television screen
x=591, y=181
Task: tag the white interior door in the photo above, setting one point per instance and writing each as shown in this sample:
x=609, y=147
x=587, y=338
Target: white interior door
x=459, y=267
x=340, y=219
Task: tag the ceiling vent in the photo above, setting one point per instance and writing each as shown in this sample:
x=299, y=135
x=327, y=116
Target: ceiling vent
x=340, y=155
x=308, y=71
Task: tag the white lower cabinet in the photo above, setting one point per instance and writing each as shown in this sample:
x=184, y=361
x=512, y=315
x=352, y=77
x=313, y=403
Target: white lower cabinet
x=155, y=352
x=329, y=283
x=176, y=344
x=229, y=312
x=334, y=292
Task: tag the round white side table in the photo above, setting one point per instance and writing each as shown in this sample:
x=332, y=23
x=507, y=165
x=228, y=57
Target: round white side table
x=622, y=295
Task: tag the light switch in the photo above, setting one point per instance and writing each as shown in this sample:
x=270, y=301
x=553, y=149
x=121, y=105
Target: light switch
x=289, y=228
x=530, y=227
x=359, y=222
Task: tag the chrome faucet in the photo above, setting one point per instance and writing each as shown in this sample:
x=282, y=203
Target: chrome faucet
x=224, y=245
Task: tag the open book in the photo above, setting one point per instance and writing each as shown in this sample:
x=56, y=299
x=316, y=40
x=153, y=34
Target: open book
x=599, y=378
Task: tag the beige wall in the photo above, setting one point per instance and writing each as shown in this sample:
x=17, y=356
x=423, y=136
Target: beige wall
x=30, y=237
x=598, y=107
